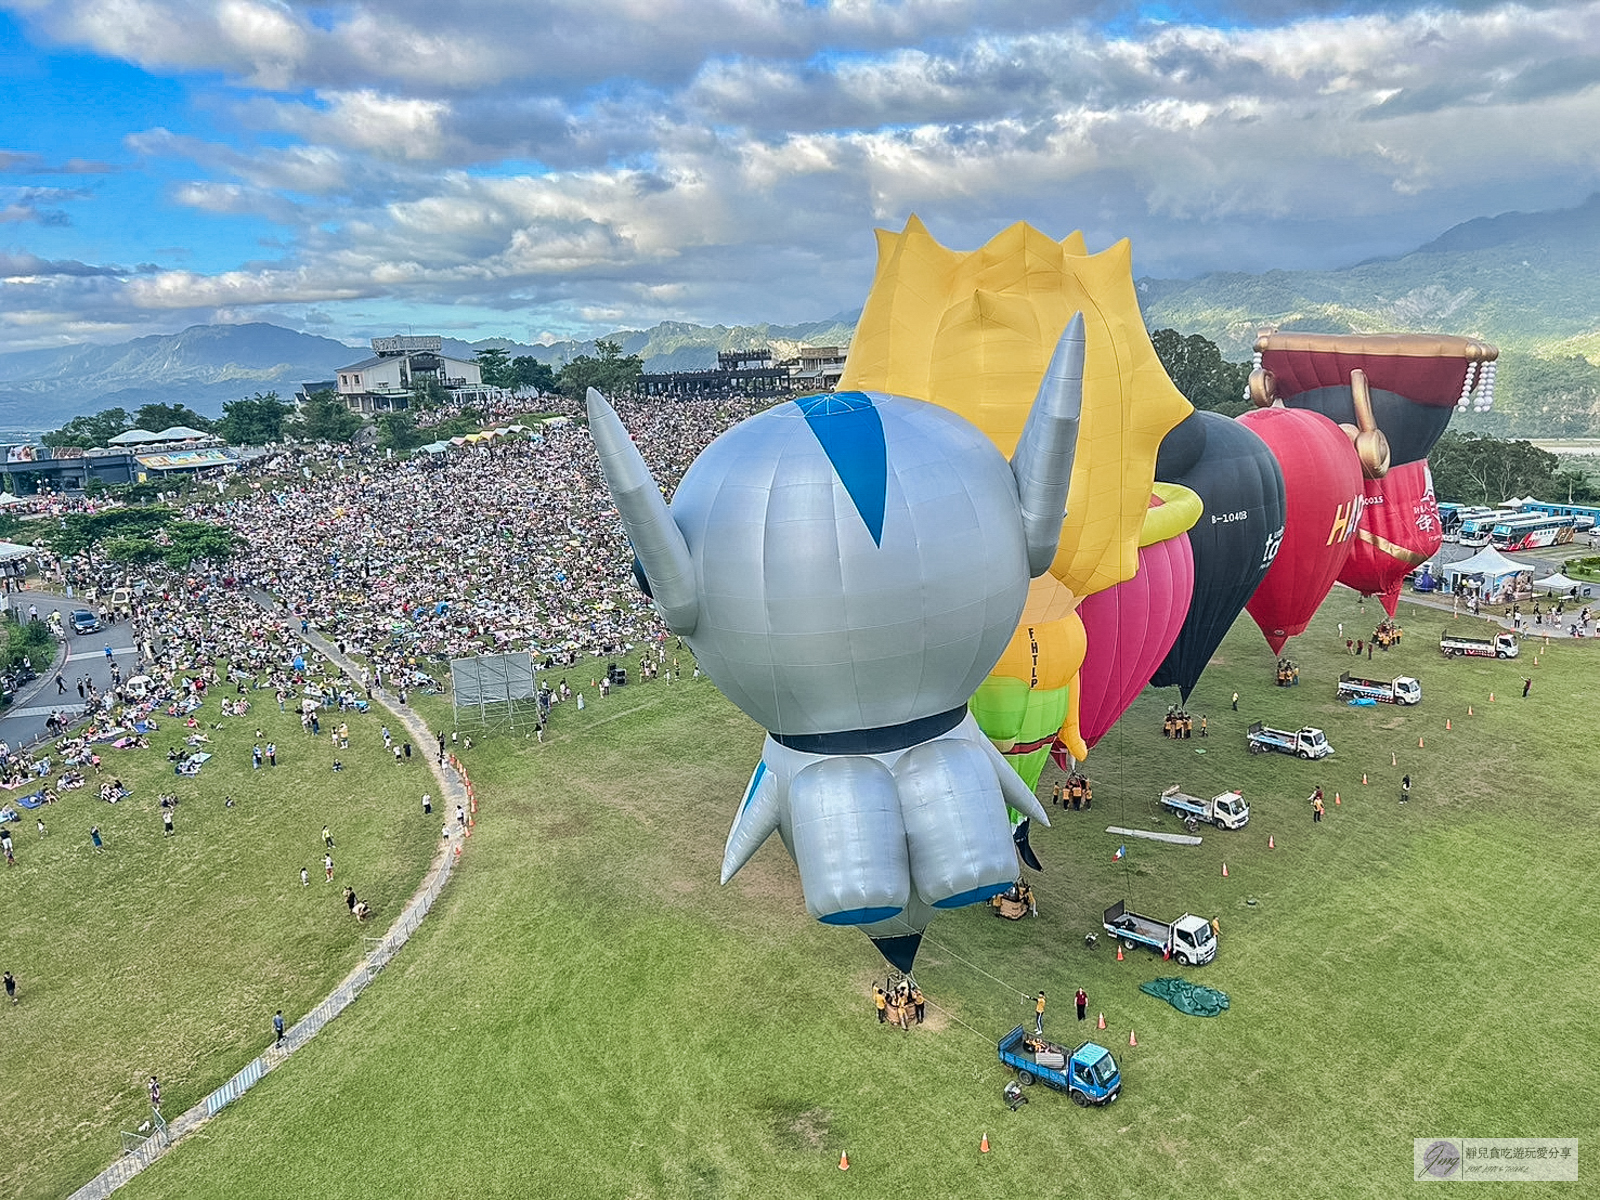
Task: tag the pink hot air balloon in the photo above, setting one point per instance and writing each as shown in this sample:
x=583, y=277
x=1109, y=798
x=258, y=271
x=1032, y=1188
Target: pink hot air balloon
x=1323, y=495
x=1400, y=531
x=1131, y=627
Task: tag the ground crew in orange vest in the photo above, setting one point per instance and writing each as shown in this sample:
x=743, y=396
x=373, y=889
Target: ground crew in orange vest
x=882, y=1001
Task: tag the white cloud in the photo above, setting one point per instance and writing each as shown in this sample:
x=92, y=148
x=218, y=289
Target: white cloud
x=724, y=160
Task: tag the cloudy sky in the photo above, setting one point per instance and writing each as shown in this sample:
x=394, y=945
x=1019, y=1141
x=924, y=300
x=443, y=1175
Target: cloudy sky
x=528, y=167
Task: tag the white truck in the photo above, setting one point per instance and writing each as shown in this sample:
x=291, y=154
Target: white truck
x=1501, y=645
x=1189, y=939
x=1226, y=810
x=1306, y=743
x=1402, y=689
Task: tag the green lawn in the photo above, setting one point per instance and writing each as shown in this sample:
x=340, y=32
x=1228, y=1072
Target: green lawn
x=586, y=1013
x=169, y=955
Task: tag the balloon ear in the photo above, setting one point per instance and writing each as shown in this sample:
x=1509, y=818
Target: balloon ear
x=1042, y=462
x=662, y=553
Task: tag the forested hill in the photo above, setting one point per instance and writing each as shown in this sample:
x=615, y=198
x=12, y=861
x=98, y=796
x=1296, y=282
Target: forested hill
x=1526, y=281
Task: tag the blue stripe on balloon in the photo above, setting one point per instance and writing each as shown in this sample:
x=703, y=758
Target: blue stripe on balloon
x=972, y=896
x=851, y=432
x=861, y=916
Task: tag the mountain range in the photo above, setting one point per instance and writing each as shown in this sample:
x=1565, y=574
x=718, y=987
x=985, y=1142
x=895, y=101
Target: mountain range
x=1529, y=282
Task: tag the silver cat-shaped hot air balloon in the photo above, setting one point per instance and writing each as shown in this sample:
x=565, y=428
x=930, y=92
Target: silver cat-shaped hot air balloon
x=847, y=568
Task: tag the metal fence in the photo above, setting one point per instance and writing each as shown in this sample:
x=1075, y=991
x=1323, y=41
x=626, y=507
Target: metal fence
x=139, y=1151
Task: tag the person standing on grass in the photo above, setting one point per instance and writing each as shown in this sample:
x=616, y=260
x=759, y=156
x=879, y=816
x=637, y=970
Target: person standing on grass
x=42, y=829
x=1527, y=686
x=255, y=758
x=327, y=867
x=277, y=1028
x=272, y=754
x=94, y=836
x=11, y=987
x=1082, y=1001
x=881, y=1003
x=155, y=1094
x=305, y=877
x=918, y=1002
x=1316, y=810
x=1405, y=788
x=1236, y=702
x=166, y=821
x=427, y=805
x=327, y=837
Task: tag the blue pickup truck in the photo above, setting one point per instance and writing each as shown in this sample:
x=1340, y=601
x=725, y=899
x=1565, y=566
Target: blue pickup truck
x=1088, y=1074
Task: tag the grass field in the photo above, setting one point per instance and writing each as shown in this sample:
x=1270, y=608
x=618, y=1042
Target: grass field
x=586, y=1013
x=169, y=955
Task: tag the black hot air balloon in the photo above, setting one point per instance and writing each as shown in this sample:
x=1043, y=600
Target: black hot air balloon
x=1236, y=538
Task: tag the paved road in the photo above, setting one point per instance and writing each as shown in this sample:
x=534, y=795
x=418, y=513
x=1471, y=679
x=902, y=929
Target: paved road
x=23, y=722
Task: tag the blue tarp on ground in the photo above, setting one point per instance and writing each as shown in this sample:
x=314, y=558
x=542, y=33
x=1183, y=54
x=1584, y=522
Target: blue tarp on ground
x=34, y=801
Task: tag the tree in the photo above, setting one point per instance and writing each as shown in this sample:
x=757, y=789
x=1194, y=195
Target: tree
x=608, y=371
x=1199, y=371
x=398, y=431
x=427, y=394
x=495, y=367
x=80, y=533
x=325, y=418
x=1477, y=468
x=156, y=417
x=189, y=542
x=89, y=431
x=529, y=372
x=254, y=421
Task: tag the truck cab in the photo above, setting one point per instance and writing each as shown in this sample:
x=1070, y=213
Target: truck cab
x=1407, y=690
x=1089, y=1074
x=1193, y=941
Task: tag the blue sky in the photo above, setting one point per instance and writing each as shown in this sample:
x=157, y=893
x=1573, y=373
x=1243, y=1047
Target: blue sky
x=518, y=167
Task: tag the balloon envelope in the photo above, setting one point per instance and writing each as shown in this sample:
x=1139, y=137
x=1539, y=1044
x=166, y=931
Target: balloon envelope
x=1323, y=495
x=1232, y=544
x=1400, y=530
x=1131, y=627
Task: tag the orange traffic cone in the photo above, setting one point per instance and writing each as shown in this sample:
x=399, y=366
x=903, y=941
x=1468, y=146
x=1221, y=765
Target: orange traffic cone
x=1224, y=870
x=1419, y=743
x=470, y=822
x=983, y=1146
x=1491, y=697
x=844, y=1161
x=1132, y=1041
x=1336, y=799
x=1363, y=779
x=458, y=853
x=1392, y=761
x=1102, y=1024
x=1271, y=845
x=1119, y=951
x=1469, y=710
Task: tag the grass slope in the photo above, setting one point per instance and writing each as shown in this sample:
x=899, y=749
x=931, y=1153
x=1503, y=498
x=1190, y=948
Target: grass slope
x=587, y=1014
x=169, y=955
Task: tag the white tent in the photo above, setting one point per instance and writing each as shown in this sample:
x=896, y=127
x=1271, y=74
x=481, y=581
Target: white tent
x=1561, y=583
x=10, y=500
x=1496, y=578
x=10, y=550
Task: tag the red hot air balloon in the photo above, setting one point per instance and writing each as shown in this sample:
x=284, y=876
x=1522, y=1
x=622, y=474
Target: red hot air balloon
x=1400, y=530
x=1131, y=627
x=1323, y=499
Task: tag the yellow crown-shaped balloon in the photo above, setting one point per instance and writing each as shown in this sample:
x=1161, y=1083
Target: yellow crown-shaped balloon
x=973, y=332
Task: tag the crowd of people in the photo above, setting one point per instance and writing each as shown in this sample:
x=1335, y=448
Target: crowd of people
x=510, y=545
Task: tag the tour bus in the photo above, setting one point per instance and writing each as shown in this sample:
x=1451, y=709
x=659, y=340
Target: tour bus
x=1453, y=516
x=1529, y=533
x=1475, y=529
x=1588, y=515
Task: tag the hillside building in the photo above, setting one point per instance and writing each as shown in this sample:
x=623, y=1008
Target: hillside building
x=399, y=365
